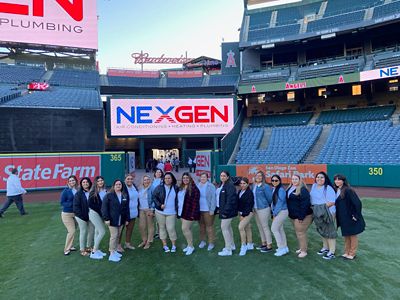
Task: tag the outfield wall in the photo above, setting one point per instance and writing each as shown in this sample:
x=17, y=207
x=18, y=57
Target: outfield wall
x=50, y=170
x=358, y=175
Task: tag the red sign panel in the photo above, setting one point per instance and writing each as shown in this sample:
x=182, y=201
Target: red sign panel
x=184, y=74
x=38, y=86
x=133, y=73
x=48, y=171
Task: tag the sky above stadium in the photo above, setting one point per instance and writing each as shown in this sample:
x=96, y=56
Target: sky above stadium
x=164, y=27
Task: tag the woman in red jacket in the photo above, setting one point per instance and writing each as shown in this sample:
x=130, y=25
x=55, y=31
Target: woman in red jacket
x=188, y=208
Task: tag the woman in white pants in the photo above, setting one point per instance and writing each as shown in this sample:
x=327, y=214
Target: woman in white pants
x=96, y=196
x=280, y=214
x=146, y=214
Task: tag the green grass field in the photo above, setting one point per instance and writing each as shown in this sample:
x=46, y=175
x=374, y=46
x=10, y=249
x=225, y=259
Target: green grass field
x=32, y=265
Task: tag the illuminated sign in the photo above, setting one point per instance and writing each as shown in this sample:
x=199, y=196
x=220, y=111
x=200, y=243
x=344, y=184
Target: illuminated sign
x=142, y=117
x=56, y=23
x=380, y=73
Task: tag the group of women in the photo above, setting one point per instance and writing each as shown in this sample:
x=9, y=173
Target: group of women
x=93, y=208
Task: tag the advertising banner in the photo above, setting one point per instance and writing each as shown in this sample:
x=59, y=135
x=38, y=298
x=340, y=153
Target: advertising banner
x=285, y=171
x=380, y=73
x=203, y=162
x=174, y=117
x=48, y=171
x=57, y=23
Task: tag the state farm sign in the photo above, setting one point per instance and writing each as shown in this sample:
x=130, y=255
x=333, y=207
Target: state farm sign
x=58, y=22
x=48, y=171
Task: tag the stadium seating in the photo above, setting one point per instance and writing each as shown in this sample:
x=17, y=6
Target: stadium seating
x=133, y=81
x=223, y=80
x=334, y=67
x=286, y=145
x=184, y=82
x=291, y=15
x=336, y=7
x=281, y=120
x=335, y=21
x=8, y=92
x=259, y=19
x=273, y=33
x=362, y=143
x=387, y=59
x=356, y=114
x=59, y=98
x=78, y=78
x=18, y=74
x=386, y=10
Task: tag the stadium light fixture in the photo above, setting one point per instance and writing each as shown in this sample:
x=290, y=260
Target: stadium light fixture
x=328, y=36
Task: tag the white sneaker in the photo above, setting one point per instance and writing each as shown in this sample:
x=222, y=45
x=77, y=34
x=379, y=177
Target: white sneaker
x=225, y=252
x=190, y=250
x=202, y=244
x=250, y=246
x=166, y=249
x=173, y=249
x=210, y=247
x=102, y=253
x=185, y=249
x=233, y=247
x=117, y=254
x=243, y=250
x=113, y=257
x=286, y=250
x=280, y=252
x=96, y=255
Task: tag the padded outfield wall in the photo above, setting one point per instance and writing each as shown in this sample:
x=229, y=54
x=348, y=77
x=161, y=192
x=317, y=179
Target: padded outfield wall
x=358, y=175
x=50, y=130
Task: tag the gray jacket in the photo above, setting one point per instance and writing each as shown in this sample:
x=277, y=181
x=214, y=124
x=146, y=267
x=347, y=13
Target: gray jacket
x=210, y=196
x=324, y=222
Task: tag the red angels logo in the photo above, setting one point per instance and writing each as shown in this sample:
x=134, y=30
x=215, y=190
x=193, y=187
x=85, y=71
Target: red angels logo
x=230, y=62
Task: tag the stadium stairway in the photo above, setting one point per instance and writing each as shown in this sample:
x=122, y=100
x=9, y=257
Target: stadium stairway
x=266, y=137
x=232, y=159
x=46, y=76
x=313, y=119
x=316, y=149
x=395, y=116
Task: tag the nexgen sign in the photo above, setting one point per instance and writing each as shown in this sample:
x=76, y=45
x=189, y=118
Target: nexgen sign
x=48, y=171
x=70, y=23
x=139, y=117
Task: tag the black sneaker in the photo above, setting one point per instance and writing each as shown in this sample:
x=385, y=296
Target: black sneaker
x=329, y=256
x=259, y=247
x=323, y=251
x=156, y=236
x=1, y=215
x=265, y=249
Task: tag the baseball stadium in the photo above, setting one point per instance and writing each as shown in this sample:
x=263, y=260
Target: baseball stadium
x=310, y=87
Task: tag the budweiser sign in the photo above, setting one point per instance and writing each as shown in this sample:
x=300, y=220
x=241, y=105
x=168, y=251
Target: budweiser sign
x=144, y=58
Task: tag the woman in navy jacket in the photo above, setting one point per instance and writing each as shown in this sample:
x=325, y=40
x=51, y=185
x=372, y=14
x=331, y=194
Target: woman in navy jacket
x=246, y=204
x=81, y=211
x=228, y=209
x=300, y=212
x=67, y=214
x=348, y=215
x=96, y=195
x=115, y=211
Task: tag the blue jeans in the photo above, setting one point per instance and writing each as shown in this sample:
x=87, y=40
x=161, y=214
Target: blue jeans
x=18, y=202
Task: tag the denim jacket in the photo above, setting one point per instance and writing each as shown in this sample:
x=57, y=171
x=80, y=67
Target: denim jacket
x=263, y=196
x=280, y=203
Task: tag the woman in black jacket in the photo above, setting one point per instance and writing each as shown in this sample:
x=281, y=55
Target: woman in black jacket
x=228, y=209
x=165, y=199
x=348, y=215
x=81, y=211
x=95, y=201
x=115, y=211
x=246, y=204
x=300, y=212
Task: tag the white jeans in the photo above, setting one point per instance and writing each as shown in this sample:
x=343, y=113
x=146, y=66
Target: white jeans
x=277, y=228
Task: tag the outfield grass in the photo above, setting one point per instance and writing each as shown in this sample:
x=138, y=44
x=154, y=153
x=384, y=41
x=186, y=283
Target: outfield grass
x=32, y=265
